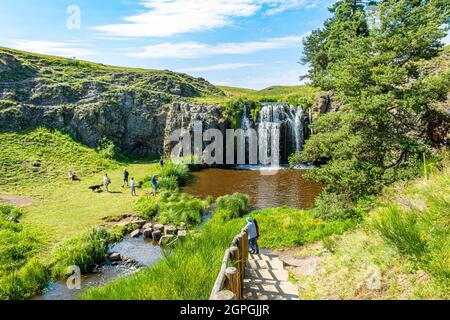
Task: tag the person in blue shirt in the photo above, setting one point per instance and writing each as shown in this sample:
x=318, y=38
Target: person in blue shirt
x=155, y=184
x=252, y=236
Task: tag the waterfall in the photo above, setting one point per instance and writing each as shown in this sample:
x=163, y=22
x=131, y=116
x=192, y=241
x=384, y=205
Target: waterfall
x=280, y=121
x=245, y=121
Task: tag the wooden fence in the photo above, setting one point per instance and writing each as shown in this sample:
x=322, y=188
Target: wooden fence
x=229, y=283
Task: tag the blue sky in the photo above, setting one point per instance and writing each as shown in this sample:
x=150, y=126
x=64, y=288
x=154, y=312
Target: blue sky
x=244, y=43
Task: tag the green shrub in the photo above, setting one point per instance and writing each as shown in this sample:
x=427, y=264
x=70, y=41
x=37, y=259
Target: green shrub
x=108, y=149
x=83, y=251
x=28, y=281
x=332, y=206
x=169, y=183
x=8, y=212
x=17, y=246
x=232, y=206
x=182, y=208
x=173, y=170
x=402, y=231
x=147, y=207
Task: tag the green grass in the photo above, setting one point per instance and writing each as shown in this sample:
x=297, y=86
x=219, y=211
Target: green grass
x=44, y=156
x=406, y=237
x=187, y=272
x=286, y=227
x=172, y=208
x=292, y=94
x=74, y=76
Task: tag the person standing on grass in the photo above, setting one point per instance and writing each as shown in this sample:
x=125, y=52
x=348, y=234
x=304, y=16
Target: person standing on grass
x=161, y=163
x=155, y=184
x=257, y=235
x=252, y=236
x=125, y=178
x=106, y=182
x=133, y=187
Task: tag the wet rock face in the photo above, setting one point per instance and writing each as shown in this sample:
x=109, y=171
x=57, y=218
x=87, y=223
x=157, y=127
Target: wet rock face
x=184, y=115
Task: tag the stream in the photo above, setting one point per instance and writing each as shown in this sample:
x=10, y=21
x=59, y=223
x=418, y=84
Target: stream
x=143, y=252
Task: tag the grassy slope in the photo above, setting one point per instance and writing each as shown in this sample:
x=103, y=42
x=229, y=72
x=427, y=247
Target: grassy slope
x=277, y=93
x=414, y=260
x=73, y=73
x=61, y=208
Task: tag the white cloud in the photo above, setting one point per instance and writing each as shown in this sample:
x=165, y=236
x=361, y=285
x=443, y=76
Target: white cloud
x=59, y=48
x=218, y=67
x=164, y=18
x=197, y=49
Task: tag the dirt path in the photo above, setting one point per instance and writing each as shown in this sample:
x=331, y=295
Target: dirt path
x=15, y=200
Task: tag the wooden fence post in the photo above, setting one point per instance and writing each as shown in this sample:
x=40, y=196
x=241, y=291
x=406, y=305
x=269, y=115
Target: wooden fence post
x=233, y=281
x=225, y=295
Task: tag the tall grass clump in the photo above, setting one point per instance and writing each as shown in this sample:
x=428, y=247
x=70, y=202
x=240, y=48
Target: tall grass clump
x=232, y=206
x=417, y=224
x=26, y=282
x=17, y=246
x=83, y=251
x=178, y=171
x=172, y=208
x=9, y=213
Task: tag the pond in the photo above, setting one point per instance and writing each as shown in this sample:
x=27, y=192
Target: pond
x=267, y=188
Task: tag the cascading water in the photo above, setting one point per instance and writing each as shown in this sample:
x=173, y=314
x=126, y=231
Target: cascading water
x=272, y=119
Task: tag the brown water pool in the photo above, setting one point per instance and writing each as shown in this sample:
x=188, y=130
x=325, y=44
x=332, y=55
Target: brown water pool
x=284, y=187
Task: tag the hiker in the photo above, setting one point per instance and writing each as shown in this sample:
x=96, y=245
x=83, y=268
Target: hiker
x=252, y=236
x=106, y=182
x=73, y=176
x=257, y=235
x=125, y=178
x=155, y=184
x=133, y=187
x=161, y=163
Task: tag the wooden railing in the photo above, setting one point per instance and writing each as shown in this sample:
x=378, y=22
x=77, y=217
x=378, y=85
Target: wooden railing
x=229, y=283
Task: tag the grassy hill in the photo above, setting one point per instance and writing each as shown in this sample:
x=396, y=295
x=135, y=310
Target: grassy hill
x=43, y=156
x=74, y=75
x=290, y=94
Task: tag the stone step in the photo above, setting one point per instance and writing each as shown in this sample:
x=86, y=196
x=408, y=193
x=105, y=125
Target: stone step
x=267, y=274
x=271, y=290
x=263, y=257
x=266, y=264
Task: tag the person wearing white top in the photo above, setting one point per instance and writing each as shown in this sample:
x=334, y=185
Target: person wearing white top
x=133, y=187
x=106, y=182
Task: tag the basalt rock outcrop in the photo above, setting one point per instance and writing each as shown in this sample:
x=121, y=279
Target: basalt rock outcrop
x=134, y=109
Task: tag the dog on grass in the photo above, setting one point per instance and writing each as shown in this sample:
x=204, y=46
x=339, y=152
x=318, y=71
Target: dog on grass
x=97, y=187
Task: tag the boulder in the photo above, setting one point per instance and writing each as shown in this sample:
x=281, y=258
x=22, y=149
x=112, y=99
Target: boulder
x=156, y=235
x=170, y=230
x=137, y=224
x=135, y=233
x=114, y=256
x=147, y=233
x=158, y=227
x=165, y=240
x=147, y=226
